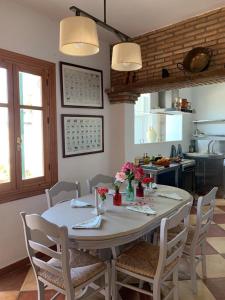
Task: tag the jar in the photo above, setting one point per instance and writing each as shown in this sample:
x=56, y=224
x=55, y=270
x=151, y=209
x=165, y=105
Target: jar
x=117, y=199
x=140, y=190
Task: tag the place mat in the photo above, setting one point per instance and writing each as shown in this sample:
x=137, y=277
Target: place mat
x=93, y=223
x=78, y=203
x=170, y=196
x=145, y=209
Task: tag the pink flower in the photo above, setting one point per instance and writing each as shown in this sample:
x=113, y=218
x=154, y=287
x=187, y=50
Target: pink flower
x=128, y=166
x=139, y=174
x=120, y=176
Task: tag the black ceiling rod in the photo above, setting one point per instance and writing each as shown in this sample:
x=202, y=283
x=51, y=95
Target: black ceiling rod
x=122, y=36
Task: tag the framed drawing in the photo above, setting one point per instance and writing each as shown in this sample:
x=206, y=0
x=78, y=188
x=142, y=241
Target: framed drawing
x=82, y=134
x=81, y=86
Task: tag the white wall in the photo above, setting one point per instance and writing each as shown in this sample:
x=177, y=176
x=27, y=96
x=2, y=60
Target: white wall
x=25, y=31
x=209, y=103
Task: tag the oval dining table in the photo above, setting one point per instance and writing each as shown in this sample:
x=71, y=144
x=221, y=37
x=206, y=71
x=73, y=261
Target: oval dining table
x=119, y=225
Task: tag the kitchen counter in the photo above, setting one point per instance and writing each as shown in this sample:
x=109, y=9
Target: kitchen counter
x=174, y=169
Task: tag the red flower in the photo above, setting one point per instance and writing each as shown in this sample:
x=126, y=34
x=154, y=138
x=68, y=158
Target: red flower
x=139, y=174
x=102, y=192
x=147, y=180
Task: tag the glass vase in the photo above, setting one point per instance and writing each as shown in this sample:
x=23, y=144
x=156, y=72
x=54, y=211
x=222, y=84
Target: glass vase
x=102, y=207
x=140, y=190
x=117, y=199
x=148, y=193
x=130, y=192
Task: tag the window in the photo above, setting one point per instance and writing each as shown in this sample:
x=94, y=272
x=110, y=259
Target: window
x=28, y=146
x=153, y=125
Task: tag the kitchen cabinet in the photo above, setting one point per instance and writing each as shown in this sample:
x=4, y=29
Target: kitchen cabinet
x=209, y=173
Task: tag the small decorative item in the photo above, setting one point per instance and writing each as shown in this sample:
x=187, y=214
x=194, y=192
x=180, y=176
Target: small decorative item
x=129, y=170
x=81, y=86
x=82, y=134
x=139, y=175
x=148, y=189
x=117, y=197
x=102, y=191
x=165, y=73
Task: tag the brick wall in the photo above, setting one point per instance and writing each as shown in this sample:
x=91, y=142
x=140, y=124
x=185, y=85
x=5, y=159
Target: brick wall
x=166, y=47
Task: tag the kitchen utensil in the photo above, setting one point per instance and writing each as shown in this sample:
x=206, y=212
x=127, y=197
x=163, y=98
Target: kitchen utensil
x=196, y=60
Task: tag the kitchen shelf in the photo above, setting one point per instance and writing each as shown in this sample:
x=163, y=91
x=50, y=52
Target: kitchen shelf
x=218, y=121
x=210, y=137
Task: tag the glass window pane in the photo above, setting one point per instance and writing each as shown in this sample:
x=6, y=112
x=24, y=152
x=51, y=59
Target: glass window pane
x=4, y=146
x=32, y=153
x=30, y=87
x=3, y=86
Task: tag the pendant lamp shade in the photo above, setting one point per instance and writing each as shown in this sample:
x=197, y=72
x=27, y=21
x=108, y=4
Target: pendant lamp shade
x=78, y=36
x=126, y=57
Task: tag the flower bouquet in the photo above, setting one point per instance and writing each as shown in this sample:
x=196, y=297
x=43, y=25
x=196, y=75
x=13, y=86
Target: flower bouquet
x=102, y=191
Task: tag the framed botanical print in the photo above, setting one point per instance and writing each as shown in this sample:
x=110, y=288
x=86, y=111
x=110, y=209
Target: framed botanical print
x=81, y=86
x=82, y=134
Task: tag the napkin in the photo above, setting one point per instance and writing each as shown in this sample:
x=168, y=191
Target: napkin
x=78, y=203
x=142, y=209
x=170, y=195
x=89, y=224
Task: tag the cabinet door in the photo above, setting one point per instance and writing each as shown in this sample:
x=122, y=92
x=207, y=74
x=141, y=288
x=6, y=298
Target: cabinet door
x=213, y=173
x=200, y=175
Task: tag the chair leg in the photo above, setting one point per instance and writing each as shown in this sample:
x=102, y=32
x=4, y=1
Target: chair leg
x=175, y=283
x=113, y=281
x=193, y=274
x=108, y=283
x=41, y=290
x=204, y=274
x=156, y=291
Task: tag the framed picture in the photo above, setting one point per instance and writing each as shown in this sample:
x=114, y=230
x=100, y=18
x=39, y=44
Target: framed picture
x=81, y=86
x=82, y=134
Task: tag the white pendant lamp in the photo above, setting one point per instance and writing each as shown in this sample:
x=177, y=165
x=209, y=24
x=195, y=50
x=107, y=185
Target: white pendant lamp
x=78, y=36
x=126, y=56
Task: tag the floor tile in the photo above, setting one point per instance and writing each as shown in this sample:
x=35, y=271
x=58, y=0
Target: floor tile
x=185, y=292
x=222, y=208
x=219, y=218
x=222, y=226
x=216, y=231
x=220, y=202
x=217, y=243
x=29, y=282
x=16, y=279
x=209, y=250
x=192, y=219
x=215, y=266
x=216, y=287
x=219, y=210
x=10, y=295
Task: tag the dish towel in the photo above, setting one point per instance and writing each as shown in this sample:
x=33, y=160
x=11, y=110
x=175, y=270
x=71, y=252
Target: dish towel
x=171, y=196
x=92, y=223
x=142, y=209
x=78, y=203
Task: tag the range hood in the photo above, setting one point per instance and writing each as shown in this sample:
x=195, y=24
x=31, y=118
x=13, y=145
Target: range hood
x=163, y=102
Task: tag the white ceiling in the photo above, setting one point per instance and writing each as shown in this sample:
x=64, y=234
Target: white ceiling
x=133, y=17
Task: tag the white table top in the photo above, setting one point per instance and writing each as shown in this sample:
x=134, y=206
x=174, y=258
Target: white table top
x=119, y=225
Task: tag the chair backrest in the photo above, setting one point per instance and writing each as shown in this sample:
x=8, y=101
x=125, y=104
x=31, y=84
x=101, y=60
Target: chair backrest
x=62, y=191
x=171, y=249
x=205, y=211
x=51, y=231
x=100, y=178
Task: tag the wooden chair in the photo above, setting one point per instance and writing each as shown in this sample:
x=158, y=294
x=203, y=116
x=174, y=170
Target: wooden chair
x=152, y=263
x=197, y=235
x=62, y=191
x=94, y=181
x=58, y=273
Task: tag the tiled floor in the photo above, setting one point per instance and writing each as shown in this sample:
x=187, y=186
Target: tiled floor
x=20, y=284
